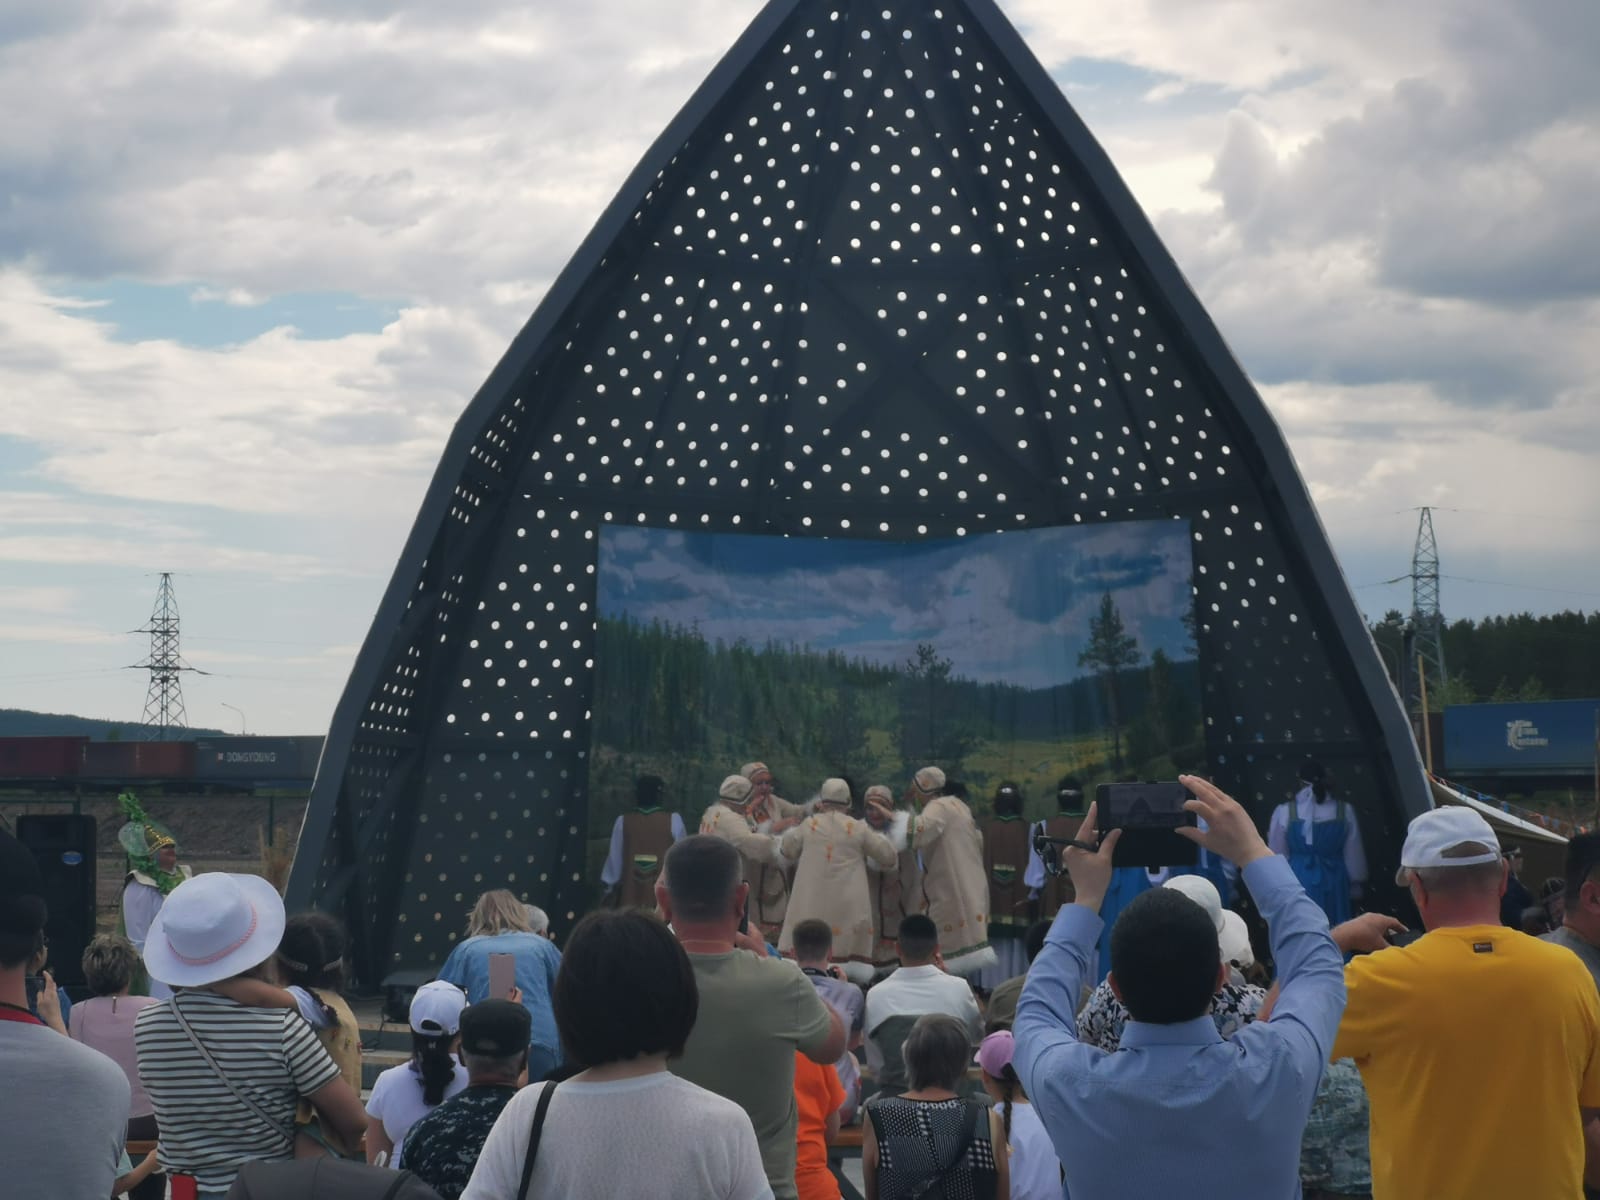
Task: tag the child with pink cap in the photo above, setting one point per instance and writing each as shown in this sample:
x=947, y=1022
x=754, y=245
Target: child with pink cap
x=1035, y=1170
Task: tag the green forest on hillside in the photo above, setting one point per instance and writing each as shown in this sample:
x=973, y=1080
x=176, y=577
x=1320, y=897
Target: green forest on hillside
x=22, y=722
x=670, y=702
x=1517, y=657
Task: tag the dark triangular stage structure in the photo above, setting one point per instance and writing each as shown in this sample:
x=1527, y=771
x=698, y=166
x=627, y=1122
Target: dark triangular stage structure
x=876, y=280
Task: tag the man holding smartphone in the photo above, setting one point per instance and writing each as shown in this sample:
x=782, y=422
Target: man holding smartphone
x=1185, y=1112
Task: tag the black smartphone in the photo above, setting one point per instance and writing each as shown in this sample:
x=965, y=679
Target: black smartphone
x=1149, y=815
x=1404, y=937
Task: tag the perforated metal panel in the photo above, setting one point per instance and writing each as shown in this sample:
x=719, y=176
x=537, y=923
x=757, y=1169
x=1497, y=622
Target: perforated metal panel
x=876, y=280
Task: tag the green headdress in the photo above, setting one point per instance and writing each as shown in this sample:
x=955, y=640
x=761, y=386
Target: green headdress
x=142, y=837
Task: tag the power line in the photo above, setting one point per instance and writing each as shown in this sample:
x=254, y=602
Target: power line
x=53, y=675
x=1520, y=514
x=217, y=637
x=1527, y=587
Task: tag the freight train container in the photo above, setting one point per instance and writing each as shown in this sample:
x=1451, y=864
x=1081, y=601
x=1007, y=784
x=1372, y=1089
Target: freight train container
x=1539, y=737
x=138, y=760
x=256, y=758
x=41, y=757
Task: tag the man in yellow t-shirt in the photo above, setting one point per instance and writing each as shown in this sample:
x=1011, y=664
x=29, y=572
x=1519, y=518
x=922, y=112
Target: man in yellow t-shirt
x=1458, y=1109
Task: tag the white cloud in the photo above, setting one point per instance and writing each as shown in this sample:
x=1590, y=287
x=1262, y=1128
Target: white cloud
x=233, y=297
x=1387, y=209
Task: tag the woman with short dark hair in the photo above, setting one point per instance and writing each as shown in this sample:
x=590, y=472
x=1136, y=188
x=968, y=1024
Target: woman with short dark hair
x=105, y=1023
x=625, y=1002
x=929, y=1140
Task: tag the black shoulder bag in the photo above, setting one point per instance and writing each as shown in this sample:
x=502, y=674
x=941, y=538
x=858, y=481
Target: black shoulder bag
x=534, y=1135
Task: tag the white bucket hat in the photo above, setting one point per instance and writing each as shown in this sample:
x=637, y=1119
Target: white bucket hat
x=1235, y=940
x=1203, y=892
x=213, y=927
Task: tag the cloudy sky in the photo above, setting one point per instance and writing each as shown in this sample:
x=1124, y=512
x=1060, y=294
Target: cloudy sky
x=1002, y=607
x=256, y=254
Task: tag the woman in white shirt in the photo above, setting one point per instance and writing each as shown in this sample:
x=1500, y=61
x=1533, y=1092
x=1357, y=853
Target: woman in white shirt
x=625, y=1002
x=1035, y=1170
x=403, y=1095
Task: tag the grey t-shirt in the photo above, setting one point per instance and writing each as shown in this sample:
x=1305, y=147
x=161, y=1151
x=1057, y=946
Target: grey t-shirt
x=754, y=1014
x=1589, y=956
x=63, y=1109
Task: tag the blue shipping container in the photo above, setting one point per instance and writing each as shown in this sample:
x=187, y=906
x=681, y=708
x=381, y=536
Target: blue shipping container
x=1541, y=737
x=267, y=758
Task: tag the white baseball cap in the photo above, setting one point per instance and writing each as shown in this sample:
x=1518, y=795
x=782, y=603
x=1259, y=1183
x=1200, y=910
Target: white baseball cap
x=436, y=1008
x=1442, y=829
x=213, y=927
x=1203, y=892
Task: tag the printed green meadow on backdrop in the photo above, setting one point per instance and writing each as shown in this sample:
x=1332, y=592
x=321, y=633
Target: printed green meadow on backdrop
x=1023, y=656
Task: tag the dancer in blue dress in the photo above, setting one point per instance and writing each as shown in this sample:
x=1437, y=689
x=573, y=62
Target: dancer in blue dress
x=1318, y=834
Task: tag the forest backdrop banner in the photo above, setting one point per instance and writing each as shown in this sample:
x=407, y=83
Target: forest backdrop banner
x=1019, y=656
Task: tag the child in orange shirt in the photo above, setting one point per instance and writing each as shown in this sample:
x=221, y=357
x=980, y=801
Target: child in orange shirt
x=818, y=1096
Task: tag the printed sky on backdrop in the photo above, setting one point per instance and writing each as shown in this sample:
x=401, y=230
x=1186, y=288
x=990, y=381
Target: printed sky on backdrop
x=256, y=254
x=1003, y=608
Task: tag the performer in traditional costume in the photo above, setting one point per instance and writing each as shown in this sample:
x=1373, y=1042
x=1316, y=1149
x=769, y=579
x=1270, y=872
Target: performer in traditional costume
x=1006, y=847
x=830, y=851
x=731, y=819
x=639, y=842
x=1050, y=892
x=953, y=881
x=153, y=856
x=1319, y=836
x=896, y=891
x=765, y=804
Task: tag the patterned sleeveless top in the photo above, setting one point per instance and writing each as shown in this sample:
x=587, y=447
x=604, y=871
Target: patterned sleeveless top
x=920, y=1151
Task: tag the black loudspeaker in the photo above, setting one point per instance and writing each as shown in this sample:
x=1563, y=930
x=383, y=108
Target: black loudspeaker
x=64, y=846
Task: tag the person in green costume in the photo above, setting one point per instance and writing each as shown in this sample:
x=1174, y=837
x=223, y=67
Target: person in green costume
x=153, y=872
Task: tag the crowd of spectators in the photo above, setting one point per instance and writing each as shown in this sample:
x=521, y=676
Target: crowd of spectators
x=673, y=1054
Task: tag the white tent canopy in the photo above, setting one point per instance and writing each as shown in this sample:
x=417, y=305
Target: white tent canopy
x=1504, y=823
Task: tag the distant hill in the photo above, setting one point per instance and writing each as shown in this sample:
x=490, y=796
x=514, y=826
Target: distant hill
x=20, y=722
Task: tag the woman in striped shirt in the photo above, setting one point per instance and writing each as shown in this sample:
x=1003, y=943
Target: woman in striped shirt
x=225, y=1077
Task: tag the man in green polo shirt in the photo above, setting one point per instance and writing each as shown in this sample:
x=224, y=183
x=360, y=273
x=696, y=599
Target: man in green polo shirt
x=755, y=1011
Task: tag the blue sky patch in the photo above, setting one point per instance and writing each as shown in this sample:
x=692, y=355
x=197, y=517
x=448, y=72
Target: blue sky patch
x=203, y=316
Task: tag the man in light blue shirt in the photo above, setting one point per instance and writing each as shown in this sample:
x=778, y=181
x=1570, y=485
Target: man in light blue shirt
x=1177, y=1110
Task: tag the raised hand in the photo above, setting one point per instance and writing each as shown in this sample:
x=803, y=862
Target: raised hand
x=1366, y=933
x=1230, y=832
x=1090, y=870
x=49, y=1004
x=751, y=941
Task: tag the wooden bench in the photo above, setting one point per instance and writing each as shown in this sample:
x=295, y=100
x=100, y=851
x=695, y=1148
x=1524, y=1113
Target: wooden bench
x=846, y=1145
